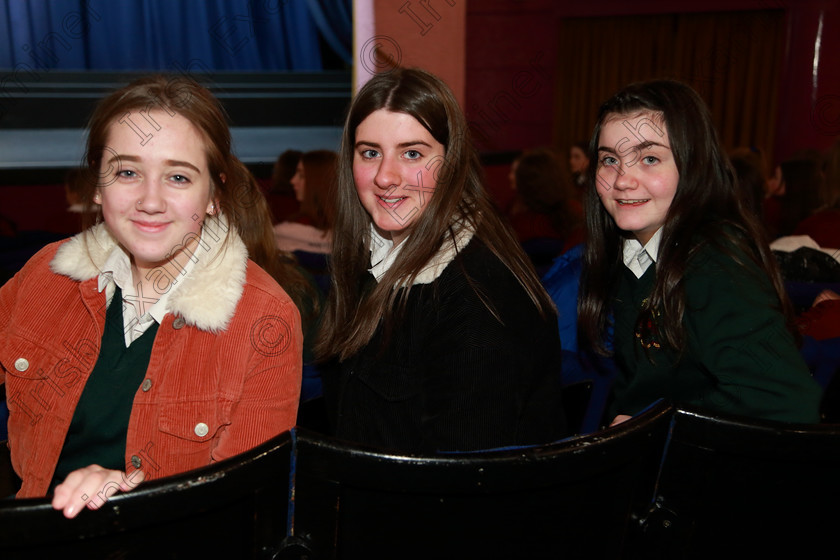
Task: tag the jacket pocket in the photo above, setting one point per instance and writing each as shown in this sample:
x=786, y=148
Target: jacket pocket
x=40, y=376
x=64, y=364
x=195, y=421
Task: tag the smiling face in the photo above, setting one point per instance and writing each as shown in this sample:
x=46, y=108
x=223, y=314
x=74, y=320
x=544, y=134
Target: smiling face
x=393, y=165
x=154, y=196
x=637, y=175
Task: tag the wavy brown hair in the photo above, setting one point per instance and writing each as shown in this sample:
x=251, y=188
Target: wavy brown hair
x=708, y=209
x=459, y=200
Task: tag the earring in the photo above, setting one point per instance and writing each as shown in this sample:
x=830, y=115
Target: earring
x=212, y=209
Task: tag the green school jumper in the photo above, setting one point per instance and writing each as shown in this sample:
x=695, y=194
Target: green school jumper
x=100, y=422
x=739, y=357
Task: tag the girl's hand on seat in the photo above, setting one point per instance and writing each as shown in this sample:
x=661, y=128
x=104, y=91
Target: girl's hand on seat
x=90, y=487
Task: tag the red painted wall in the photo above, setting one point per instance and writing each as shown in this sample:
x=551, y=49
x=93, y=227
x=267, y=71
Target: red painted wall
x=511, y=54
x=425, y=33
x=510, y=41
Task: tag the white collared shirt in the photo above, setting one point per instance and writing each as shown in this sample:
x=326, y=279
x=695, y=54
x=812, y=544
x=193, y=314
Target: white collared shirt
x=383, y=253
x=140, y=309
x=637, y=258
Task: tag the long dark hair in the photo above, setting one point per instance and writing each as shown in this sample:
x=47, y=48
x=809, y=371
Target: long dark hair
x=708, y=208
x=459, y=201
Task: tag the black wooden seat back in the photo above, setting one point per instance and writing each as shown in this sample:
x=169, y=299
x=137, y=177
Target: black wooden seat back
x=236, y=508
x=570, y=499
x=732, y=486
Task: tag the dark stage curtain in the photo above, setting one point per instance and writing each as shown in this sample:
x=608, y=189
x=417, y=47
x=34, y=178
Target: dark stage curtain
x=732, y=59
x=334, y=19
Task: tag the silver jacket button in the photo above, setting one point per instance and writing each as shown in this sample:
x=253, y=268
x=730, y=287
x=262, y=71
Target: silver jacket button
x=147, y=384
x=21, y=364
x=178, y=323
x=136, y=462
x=201, y=429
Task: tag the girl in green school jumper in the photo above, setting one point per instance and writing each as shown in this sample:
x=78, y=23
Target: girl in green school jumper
x=680, y=271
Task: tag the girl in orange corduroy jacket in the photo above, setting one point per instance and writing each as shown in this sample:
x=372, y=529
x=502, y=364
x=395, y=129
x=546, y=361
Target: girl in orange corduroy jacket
x=149, y=344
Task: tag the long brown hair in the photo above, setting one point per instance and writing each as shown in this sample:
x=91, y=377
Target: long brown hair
x=232, y=184
x=459, y=200
x=235, y=189
x=708, y=208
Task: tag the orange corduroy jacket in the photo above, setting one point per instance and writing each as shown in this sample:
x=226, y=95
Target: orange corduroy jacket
x=224, y=373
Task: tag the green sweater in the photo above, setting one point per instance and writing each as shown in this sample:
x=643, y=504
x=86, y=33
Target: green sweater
x=739, y=358
x=98, y=430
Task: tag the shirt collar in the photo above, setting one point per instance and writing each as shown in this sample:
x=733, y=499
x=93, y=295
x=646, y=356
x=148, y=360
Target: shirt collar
x=383, y=253
x=638, y=258
x=117, y=269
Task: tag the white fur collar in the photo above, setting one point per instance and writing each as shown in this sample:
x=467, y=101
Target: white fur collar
x=207, y=298
x=384, y=254
x=445, y=255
